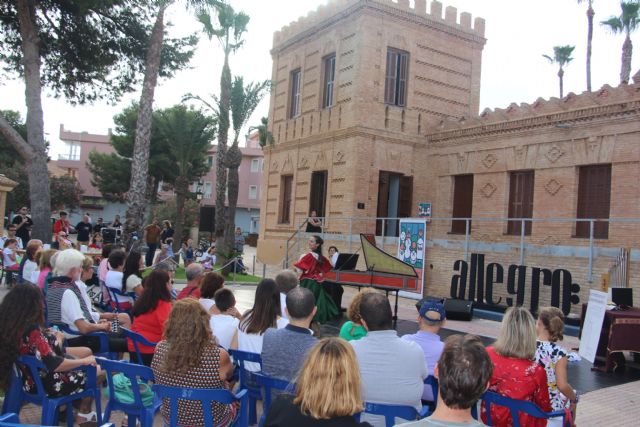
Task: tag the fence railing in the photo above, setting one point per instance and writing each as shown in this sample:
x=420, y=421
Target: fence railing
x=531, y=237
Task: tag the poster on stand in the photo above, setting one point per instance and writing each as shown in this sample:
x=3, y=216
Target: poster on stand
x=412, y=250
x=592, y=325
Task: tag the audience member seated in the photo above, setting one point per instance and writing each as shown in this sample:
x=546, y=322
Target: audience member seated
x=150, y=312
x=352, y=329
x=44, y=267
x=515, y=372
x=103, y=267
x=264, y=314
x=195, y=274
x=11, y=234
x=392, y=369
x=224, y=322
x=66, y=305
x=132, y=273
x=284, y=350
x=10, y=260
x=87, y=273
x=62, y=241
x=114, y=279
x=553, y=358
x=211, y=282
x=96, y=242
x=22, y=333
x=431, y=317
x=30, y=267
x=208, y=259
x=328, y=390
x=463, y=374
x=285, y=281
x=190, y=357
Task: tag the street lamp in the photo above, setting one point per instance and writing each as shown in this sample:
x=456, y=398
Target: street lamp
x=199, y=186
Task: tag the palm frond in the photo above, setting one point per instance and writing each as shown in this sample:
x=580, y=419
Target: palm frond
x=613, y=25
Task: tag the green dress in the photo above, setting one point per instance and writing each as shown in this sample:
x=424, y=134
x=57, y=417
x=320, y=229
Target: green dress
x=358, y=331
x=312, y=273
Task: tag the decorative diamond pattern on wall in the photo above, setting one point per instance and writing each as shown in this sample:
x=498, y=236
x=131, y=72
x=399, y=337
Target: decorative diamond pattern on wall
x=489, y=160
x=488, y=189
x=554, y=154
x=552, y=186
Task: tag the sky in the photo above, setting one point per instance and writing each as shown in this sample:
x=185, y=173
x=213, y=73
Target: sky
x=518, y=33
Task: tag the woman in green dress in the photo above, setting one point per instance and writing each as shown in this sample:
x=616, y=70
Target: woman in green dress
x=313, y=266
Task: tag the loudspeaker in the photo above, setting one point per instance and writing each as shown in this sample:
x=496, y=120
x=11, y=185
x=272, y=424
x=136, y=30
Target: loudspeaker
x=458, y=309
x=108, y=235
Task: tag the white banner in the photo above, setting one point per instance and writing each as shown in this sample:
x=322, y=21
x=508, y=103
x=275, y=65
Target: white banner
x=592, y=326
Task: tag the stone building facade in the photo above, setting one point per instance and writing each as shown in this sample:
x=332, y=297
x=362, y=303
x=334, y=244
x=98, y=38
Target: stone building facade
x=375, y=109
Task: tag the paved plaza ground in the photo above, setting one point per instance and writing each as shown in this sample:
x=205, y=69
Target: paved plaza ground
x=607, y=399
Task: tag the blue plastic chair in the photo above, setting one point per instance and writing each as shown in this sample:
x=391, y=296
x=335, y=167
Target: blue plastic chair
x=16, y=395
x=137, y=374
x=12, y=420
x=137, y=340
x=103, y=337
x=516, y=406
x=268, y=384
x=113, y=296
x=247, y=379
x=391, y=412
x=205, y=396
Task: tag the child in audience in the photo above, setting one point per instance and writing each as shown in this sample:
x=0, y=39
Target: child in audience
x=45, y=267
x=225, y=323
x=353, y=329
x=208, y=259
x=97, y=241
x=553, y=358
x=10, y=259
x=285, y=281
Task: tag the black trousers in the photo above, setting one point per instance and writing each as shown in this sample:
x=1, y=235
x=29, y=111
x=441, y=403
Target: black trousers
x=117, y=342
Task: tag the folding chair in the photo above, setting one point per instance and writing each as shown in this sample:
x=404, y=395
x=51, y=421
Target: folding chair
x=516, y=406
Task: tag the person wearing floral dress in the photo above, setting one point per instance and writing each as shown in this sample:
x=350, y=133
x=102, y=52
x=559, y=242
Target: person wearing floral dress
x=515, y=372
x=22, y=317
x=553, y=358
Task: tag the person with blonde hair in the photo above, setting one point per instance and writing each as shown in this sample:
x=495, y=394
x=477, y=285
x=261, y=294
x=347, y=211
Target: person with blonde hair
x=329, y=391
x=553, y=358
x=352, y=329
x=45, y=266
x=515, y=372
x=189, y=356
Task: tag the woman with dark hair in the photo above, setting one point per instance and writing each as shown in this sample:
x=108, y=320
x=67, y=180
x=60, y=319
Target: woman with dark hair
x=167, y=231
x=150, y=312
x=313, y=266
x=211, y=282
x=264, y=314
x=22, y=333
x=131, y=275
x=189, y=356
x=30, y=266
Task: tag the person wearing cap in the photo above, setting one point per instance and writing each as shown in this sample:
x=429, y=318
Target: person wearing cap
x=431, y=317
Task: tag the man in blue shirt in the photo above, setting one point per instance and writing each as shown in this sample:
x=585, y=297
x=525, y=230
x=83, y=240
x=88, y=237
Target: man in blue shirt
x=430, y=319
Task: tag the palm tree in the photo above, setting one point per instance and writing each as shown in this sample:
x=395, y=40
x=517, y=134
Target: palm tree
x=562, y=57
x=138, y=194
x=590, y=14
x=626, y=23
x=243, y=102
x=189, y=134
x=229, y=32
x=264, y=136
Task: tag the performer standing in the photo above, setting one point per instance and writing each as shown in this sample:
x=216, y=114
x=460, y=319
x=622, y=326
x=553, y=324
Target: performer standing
x=314, y=265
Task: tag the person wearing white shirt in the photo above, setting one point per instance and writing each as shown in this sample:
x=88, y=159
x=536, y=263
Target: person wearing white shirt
x=285, y=281
x=224, y=321
x=115, y=277
x=30, y=265
x=333, y=255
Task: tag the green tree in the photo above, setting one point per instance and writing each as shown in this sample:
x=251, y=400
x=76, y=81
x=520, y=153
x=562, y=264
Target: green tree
x=590, y=15
x=138, y=194
x=188, y=133
x=65, y=192
x=626, y=23
x=54, y=44
x=111, y=172
x=243, y=102
x=229, y=32
x=264, y=136
x=562, y=57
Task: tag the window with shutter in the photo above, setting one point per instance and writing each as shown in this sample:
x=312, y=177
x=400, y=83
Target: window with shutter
x=329, y=78
x=397, y=71
x=520, y=201
x=594, y=200
x=318, y=196
x=462, y=202
x=294, y=101
x=286, y=186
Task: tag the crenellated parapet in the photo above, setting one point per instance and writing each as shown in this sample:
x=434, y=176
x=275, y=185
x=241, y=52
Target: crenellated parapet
x=560, y=112
x=462, y=25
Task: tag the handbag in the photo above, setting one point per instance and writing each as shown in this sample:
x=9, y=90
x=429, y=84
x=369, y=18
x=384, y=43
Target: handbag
x=124, y=392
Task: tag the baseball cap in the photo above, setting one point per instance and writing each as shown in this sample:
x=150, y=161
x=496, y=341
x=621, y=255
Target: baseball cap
x=433, y=310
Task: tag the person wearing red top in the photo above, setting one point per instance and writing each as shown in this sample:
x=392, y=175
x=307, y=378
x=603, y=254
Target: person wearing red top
x=195, y=274
x=61, y=224
x=150, y=312
x=313, y=266
x=516, y=373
